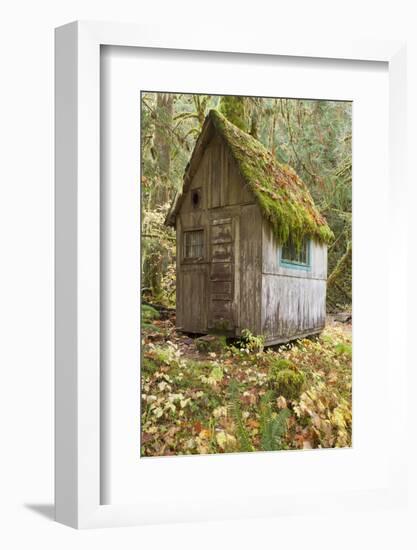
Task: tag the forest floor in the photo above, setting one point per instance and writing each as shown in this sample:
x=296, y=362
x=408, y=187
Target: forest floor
x=209, y=396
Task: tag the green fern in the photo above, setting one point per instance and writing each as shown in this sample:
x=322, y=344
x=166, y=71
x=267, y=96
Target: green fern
x=245, y=444
x=273, y=426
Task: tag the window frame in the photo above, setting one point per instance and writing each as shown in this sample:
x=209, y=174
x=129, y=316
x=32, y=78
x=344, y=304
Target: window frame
x=294, y=264
x=184, y=245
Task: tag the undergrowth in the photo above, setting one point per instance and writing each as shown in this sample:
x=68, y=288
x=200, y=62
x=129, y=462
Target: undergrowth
x=242, y=397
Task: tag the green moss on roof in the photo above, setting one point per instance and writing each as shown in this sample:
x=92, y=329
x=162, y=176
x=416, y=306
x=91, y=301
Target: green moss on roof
x=283, y=198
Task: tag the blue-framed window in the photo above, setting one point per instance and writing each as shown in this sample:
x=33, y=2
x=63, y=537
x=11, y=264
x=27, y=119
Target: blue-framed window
x=295, y=257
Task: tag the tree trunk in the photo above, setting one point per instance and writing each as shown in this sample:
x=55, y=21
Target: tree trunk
x=162, y=143
x=154, y=258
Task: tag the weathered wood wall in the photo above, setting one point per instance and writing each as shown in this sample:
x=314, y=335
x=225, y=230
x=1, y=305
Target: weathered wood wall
x=250, y=269
x=293, y=300
x=209, y=290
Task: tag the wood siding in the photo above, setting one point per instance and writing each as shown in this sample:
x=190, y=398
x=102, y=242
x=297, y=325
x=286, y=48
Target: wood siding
x=293, y=300
x=208, y=290
x=221, y=313
x=250, y=268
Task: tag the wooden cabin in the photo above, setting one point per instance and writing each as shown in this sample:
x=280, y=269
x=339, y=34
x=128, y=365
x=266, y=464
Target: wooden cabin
x=251, y=245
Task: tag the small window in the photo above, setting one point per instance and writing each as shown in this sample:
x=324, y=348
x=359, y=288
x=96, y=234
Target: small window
x=194, y=244
x=296, y=256
x=196, y=198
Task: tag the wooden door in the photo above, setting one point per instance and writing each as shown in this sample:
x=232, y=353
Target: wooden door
x=221, y=276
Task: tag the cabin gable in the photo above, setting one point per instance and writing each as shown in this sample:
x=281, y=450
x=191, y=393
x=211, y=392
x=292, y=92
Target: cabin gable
x=218, y=179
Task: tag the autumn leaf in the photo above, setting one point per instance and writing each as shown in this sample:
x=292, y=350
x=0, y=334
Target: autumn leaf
x=204, y=434
x=198, y=427
x=225, y=441
x=220, y=411
x=252, y=423
x=281, y=402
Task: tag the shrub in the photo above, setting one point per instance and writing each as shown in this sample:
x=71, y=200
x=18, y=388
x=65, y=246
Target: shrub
x=277, y=365
x=287, y=382
x=250, y=342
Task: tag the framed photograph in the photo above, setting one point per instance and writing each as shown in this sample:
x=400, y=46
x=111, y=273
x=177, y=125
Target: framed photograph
x=228, y=216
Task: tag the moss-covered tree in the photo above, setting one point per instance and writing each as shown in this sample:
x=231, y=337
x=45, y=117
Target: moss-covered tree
x=232, y=107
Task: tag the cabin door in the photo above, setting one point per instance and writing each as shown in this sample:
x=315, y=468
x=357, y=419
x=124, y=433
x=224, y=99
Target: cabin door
x=221, y=315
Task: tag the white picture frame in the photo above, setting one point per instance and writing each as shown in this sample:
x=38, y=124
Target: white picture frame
x=77, y=241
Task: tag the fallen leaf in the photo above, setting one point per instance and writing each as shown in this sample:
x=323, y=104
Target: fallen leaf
x=226, y=441
x=198, y=426
x=281, y=402
x=204, y=434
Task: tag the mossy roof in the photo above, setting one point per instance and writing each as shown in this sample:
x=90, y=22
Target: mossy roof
x=281, y=195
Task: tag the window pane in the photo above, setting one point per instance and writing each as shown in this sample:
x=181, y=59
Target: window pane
x=193, y=244
x=295, y=255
